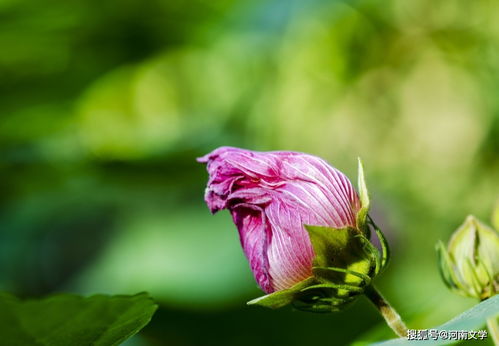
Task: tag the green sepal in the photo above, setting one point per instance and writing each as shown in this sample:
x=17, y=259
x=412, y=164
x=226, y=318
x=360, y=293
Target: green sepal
x=473, y=279
x=445, y=266
x=491, y=287
x=339, y=248
x=361, y=217
x=366, y=279
x=385, y=248
x=373, y=253
x=282, y=298
x=323, y=304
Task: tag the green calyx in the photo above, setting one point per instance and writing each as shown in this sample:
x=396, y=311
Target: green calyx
x=344, y=265
x=470, y=264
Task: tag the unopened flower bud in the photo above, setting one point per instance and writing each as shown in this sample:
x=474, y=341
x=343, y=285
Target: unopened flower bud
x=470, y=264
x=301, y=223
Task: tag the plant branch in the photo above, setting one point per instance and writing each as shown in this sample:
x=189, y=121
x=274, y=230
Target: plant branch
x=493, y=326
x=391, y=316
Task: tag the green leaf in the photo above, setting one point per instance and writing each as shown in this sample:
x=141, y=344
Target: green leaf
x=364, y=198
x=281, y=298
x=472, y=319
x=66, y=319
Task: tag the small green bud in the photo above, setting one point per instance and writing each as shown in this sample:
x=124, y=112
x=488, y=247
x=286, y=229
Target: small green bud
x=470, y=264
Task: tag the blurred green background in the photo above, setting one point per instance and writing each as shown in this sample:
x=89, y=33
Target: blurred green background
x=106, y=104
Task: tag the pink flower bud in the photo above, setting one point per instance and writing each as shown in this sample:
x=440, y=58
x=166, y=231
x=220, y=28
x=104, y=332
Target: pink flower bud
x=271, y=196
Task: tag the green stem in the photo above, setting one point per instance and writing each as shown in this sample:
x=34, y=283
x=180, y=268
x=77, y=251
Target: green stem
x=391, y=316
x=493, y=329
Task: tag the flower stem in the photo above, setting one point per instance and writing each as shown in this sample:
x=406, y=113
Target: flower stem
x=391, y=316
x=493, y=326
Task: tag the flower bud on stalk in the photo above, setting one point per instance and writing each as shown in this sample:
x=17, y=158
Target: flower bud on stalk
x=302, y=226
x=470, y=264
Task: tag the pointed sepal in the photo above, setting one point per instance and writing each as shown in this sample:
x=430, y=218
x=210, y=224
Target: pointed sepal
x=361, y=217
x=445, y=266
x=385, y=248
x=282, y=298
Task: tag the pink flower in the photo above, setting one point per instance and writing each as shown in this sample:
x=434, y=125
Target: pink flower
x=271, y=196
